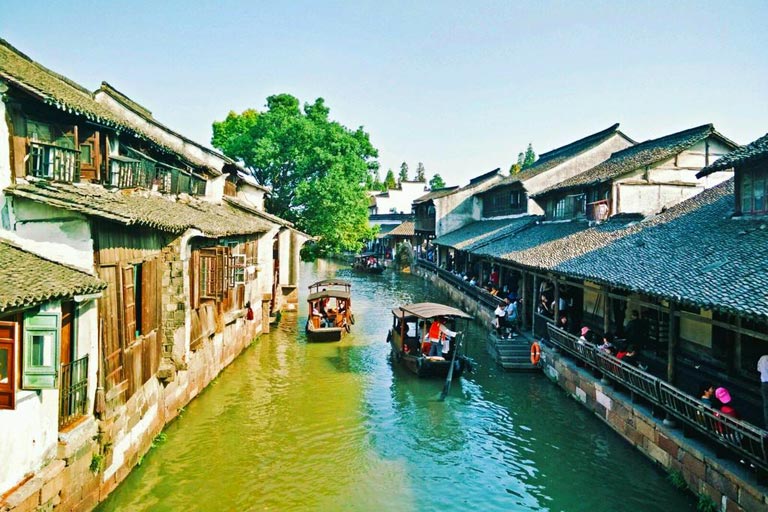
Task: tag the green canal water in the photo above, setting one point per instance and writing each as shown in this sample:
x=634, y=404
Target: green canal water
x=335, y=427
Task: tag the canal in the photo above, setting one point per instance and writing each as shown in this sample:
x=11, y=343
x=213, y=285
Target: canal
x=334, y=427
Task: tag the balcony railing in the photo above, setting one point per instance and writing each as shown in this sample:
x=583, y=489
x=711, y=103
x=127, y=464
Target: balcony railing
x=73, y=391
x=746, y=440
x=53, y=162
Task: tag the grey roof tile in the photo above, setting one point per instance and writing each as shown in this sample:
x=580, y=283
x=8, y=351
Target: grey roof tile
x=27, y=280
x=477, y=234
x=755, y=150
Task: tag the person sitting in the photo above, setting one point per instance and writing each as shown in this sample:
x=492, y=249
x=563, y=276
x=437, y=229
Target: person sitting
x=317, y=317
x=563, y=323
x=706, y=392
x=583, y=339
x=472, y=281
x=606, y=344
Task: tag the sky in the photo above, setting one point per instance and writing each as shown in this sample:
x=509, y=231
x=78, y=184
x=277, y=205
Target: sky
x=461, y=86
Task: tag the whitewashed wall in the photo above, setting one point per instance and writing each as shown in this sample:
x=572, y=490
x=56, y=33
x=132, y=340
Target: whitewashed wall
x=459, y=209
x=400, y=200
x=29, y=433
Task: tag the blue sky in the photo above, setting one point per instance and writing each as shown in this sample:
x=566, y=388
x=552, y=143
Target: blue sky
x=461, y=86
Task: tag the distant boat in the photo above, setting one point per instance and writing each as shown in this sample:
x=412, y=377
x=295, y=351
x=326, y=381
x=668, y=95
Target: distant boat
x=409, y=344
x=330, y=310
x=369, y=263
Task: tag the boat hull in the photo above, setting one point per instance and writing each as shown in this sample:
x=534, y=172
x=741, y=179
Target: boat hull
x=427, y=367
x=325, y=334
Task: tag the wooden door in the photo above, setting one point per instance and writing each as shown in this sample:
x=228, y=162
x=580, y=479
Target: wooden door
x=67, y=345
x=8, y=336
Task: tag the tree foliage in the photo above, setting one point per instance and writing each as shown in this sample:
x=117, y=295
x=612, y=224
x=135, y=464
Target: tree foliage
x=403, y=176
x=317, y=169
x=421, y=173
x=436, y=182
x=530, y=157
x=389, y=181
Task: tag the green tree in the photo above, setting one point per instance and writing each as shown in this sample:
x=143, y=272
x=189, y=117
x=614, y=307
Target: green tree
x=515, y=168
x=529, y=158
x=421, y=173
x=403, y=173
x=389, y=181
x=317, y=168
x=436, y=182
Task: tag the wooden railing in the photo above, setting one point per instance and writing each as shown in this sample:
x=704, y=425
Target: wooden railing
x=73, y=391
x=598, y=211
x=53, y=162
x=743, y=438
x=474, y=292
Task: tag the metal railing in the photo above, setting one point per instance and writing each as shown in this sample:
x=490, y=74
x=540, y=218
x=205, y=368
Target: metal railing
x=73, y=391
x=53, y=162
x=745, y=439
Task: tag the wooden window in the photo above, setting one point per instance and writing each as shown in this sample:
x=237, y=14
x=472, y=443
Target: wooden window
x=150, y=296
x=41, y=351
x=753, y=189
x=214, y=272
x=129, y=332
x=7, y=365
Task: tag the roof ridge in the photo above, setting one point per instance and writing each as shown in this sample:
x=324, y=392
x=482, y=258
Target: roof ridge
x=124, y=98
x=549, y=154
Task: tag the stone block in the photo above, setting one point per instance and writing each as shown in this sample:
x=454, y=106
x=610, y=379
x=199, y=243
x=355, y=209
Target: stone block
x=750, y=503
x=668, y=445
x=89, y=501
x=645, y=428
x=694, y=466
x=721, y=482
x=27, y=497
x=53, y=478
x=658, y=454
x=713, y=493
x=732, y=506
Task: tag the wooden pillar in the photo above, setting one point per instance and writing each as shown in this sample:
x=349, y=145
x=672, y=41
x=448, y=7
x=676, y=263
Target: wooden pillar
x=523, y=288
x=673, y=340
x=533, y=303
x=556, y=309
x=606, y=311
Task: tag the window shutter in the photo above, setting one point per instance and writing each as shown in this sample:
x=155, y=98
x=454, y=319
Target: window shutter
x=7, y=365
x=149, y=296
x=195, y=277
x=129, y=307
x=41, y=351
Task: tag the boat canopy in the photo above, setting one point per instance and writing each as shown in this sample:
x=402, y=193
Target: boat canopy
x=429, y=310
x=338, y=294
x=330, y=282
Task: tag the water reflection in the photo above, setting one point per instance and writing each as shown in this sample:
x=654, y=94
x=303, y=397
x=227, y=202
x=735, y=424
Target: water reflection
x=293, y=425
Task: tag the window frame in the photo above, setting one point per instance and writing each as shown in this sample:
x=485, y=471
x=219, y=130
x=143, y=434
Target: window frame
x=8, y=388
x=41, y=376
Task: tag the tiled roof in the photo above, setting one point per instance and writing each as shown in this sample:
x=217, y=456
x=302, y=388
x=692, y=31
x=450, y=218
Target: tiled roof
x=755, y=150
x=636, y=157
x=64, y=94
x=27, y=280
x=693, y=253
x=404, y=229
x=551, y=159
x=476, y=234
x=434, y=194
x=243, y=205
x=143, y=209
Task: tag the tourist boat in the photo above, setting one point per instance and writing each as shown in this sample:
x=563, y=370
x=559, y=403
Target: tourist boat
x=330, y=310
x=368, y=262
x=410, y=347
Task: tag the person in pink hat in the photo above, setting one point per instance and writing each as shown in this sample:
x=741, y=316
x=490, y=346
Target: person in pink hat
x=726, y=407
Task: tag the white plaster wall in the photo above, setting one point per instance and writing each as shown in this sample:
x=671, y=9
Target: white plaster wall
x=87, y=342
x=650, y=199
x=5, y=149
x=285, y=256
x=214, y=189
x=265, y=265
x=401, y=200
x=575, y=165
x=251, y=194
x=29, y=433
x=54, y=233
x=458, y=209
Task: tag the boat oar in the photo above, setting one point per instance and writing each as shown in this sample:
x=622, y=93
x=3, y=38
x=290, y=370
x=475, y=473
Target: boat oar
x=449, y=378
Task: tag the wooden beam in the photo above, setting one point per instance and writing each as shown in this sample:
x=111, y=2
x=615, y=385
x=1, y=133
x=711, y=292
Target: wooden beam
x=672, y=348
x=534, y=302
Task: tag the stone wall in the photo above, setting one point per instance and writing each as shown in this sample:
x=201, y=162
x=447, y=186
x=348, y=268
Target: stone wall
x=95, y=456
x=729, y=484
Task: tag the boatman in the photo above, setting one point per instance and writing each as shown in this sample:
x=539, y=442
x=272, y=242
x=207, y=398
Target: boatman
x=439, y=335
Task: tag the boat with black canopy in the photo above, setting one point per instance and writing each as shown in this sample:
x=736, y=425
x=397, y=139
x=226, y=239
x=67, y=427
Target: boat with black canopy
x=369, y=263
x=415, y=327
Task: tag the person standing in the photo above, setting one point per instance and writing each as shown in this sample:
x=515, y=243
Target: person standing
x=762, y=367
x=438, y=336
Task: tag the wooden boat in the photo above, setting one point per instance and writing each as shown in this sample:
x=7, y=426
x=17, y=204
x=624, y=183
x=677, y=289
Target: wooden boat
x=368, y=262
x=330, y=310
x=408, y=340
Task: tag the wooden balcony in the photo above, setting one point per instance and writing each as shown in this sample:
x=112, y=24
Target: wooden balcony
x=53, y=162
